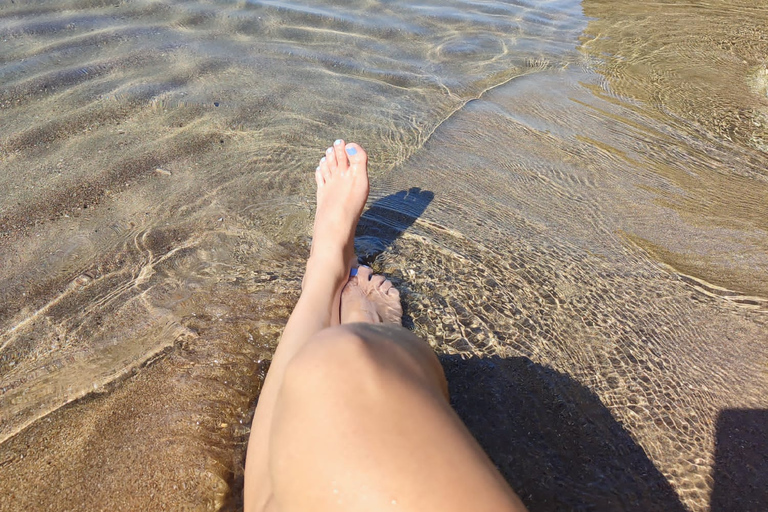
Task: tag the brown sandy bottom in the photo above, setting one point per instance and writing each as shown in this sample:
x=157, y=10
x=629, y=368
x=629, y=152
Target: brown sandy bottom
x=707, y=66
x=604, y=251
x=153, y=154
x=701, y=72
x=610, y=382
x=604, y=380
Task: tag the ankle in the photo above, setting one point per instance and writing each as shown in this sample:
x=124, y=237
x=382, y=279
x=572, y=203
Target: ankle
x=325, y=266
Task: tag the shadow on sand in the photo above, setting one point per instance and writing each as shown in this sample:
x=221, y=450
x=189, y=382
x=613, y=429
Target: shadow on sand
x=553, y=440
x=741, y=461
x=386, y=219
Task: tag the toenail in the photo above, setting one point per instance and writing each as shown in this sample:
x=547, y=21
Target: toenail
x=322, y=160
x=329, y=150
x=338, y=141
x=351, y=151
x=318, y=169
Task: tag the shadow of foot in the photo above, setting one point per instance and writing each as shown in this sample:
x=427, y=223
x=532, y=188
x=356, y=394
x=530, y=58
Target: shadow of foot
x=387, y=219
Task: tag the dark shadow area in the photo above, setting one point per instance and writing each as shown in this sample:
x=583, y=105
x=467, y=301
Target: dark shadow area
x=386, y=219
x=553, y=440
x=741, y=461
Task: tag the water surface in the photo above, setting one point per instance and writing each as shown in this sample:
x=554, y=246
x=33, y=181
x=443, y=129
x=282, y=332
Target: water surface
x=596, y=184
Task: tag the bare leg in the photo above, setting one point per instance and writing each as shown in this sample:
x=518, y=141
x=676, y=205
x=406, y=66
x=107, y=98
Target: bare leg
x=342, y=189
x=356, y=417
x=362, y=422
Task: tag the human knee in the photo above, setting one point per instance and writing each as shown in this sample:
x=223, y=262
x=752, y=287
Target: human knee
x=329, y=355
x=362, y=356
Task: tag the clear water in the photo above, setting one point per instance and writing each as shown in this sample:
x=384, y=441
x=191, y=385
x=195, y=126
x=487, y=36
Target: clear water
x=575, y=191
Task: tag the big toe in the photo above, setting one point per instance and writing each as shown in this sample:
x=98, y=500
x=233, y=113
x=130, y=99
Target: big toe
x=363, y=274
x=350, y=289
x=358, y=158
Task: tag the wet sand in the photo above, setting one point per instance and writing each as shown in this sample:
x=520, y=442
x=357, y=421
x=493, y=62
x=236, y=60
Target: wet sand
x=583, y=238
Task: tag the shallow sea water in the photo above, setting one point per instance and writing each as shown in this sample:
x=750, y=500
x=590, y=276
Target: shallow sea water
x=571, y=196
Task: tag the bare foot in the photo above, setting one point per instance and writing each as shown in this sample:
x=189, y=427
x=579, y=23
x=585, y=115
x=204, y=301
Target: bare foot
x=371, y=299
x=342, y=189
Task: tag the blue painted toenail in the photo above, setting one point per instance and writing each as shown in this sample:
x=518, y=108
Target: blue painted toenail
x=322, y=160
x=351, y=151
x=338, y=141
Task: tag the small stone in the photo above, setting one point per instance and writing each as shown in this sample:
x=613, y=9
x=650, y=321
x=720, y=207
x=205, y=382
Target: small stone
x=162, y=171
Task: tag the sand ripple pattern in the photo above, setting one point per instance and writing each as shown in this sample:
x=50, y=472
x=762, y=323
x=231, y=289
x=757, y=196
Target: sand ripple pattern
x=526, y=259
x=118, y=119
x=597, y=247
x=157, y=160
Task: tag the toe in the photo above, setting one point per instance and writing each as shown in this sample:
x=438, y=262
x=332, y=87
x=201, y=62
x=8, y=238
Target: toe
x=325, y=171
x=393, y=292
x=357, y=157
x=330, y=157
x=319, y=178
x=363, y=274
x=341, y=156
x=385, y=286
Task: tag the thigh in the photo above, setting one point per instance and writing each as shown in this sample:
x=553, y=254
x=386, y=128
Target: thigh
x=362, y=423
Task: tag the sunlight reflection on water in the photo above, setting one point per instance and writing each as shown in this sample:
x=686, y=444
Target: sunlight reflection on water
x=595, y=210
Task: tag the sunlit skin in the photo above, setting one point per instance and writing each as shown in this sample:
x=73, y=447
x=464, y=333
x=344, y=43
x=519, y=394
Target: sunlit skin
x=356, y=416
